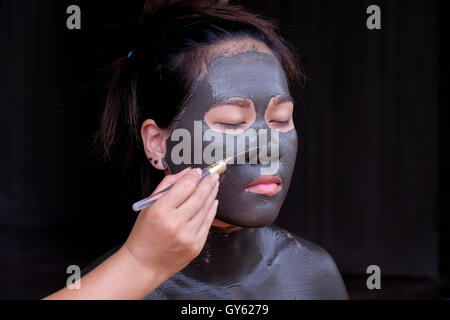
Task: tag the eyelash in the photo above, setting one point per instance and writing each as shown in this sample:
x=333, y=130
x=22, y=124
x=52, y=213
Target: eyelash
x=282, y=123
x=231, y=125
x=237, y=125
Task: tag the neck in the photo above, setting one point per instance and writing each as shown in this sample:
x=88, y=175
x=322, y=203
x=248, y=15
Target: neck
x=229, y=254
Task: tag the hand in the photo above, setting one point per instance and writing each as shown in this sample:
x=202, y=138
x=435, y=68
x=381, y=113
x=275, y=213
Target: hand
x=165, y=238
x=168, y=235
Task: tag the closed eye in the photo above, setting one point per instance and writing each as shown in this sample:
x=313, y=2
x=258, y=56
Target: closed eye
x=279, y=113
x=283, y=123
x=231, y=125
x=231, y=116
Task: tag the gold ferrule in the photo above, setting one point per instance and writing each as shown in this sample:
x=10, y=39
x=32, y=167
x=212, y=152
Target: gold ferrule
x=218, y=167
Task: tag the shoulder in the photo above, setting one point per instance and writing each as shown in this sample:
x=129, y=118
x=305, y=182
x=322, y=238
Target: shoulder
x=297, y=245
x=309, y=264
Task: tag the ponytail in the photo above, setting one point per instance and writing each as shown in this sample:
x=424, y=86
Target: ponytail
x=121, y=106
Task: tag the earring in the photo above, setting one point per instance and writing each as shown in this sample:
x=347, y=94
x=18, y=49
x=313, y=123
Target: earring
x=163, y=162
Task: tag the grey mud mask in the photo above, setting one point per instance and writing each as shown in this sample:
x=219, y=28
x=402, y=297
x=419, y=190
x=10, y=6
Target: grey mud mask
x=258, y=77
x=249, y=263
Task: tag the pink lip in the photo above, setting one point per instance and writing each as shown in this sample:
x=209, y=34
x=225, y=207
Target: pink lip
x=267, y=185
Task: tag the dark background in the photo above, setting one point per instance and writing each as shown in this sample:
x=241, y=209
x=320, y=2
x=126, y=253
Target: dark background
x=372, y=179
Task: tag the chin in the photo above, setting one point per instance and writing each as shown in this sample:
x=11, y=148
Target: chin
x=257, y=219
x=249, y=210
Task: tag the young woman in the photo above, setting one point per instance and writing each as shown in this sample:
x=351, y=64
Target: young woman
x=210, y=66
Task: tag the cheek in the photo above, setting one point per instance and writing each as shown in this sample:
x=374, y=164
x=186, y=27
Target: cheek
x=289, y=145
x=288, y=156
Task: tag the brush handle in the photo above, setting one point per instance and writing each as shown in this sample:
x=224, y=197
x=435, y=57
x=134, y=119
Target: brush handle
x=147, y=202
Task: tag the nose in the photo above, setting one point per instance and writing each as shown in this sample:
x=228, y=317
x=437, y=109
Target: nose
x=262, y=138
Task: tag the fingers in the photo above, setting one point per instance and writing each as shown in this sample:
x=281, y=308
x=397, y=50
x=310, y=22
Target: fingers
x=171, y=179
x=209, y=218
x=197, y=219
x=197, y=200
x=182, y=189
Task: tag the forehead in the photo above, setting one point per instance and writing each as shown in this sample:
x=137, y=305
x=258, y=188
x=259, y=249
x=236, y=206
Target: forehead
x=253, y=75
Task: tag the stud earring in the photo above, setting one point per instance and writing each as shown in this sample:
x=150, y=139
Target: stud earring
x=163, y=162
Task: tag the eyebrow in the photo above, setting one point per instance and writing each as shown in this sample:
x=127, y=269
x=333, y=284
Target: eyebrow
x=283, y=99
x=239, y=102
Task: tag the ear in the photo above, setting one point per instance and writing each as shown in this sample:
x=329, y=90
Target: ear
x=154, y=140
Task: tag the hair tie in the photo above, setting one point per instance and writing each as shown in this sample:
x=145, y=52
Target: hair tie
x=129, y=55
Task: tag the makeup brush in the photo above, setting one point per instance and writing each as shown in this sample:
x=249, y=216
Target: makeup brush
x=217, y=167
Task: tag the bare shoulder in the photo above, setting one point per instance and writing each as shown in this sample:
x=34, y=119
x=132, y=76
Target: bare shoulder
x=309, y=264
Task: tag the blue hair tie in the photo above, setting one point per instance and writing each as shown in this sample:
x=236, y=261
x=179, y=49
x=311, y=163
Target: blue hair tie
x=129, y=55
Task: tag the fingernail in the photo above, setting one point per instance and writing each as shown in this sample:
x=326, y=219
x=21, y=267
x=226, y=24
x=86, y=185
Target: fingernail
x=198, y=171
x=215, y=176
x=216, y=203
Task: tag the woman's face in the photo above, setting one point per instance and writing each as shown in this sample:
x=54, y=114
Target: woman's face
x=241, y=101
